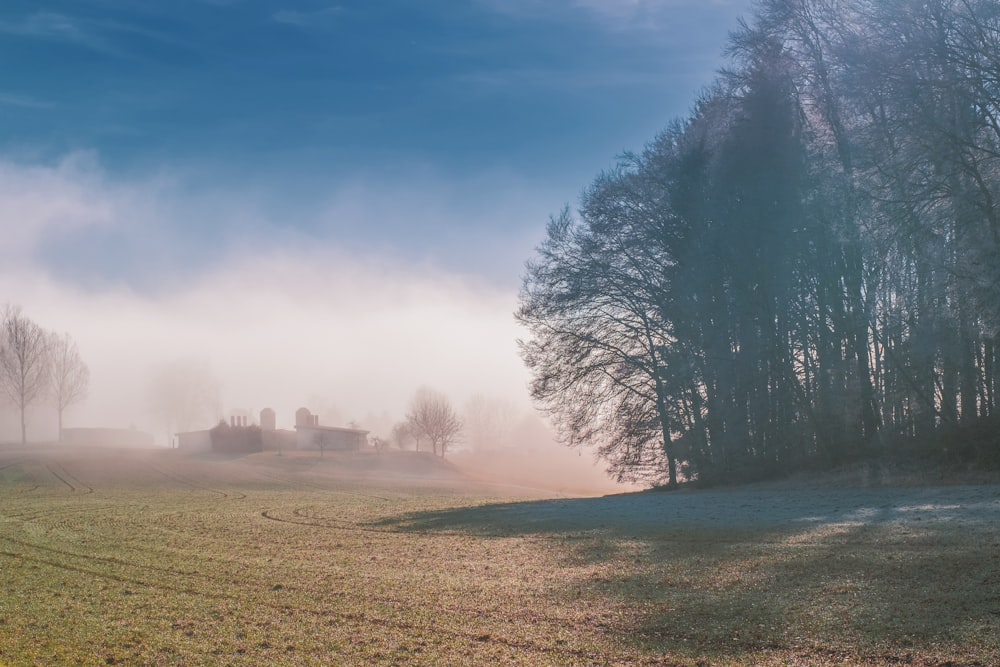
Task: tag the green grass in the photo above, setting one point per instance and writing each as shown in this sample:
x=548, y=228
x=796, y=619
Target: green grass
x=126, y=558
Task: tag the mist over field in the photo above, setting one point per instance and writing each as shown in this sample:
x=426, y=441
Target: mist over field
x=274, y=321
x=302, y=233
x=633, y=332
x=276, y=324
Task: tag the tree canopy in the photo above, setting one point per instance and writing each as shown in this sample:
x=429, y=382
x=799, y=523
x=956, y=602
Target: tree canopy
x=805, y=271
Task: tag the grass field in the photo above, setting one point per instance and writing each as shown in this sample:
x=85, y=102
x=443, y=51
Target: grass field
x=148, y=558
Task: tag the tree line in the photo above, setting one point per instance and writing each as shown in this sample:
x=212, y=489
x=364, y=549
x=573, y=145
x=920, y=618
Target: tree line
x=38, y=365
x=805, y=272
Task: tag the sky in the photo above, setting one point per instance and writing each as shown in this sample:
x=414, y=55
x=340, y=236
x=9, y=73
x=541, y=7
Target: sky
x=320, y=201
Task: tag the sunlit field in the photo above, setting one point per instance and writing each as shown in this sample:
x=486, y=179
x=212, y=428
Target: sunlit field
x=150, y=558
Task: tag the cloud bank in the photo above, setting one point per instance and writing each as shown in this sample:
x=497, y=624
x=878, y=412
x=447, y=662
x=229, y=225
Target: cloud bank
x=278, y=318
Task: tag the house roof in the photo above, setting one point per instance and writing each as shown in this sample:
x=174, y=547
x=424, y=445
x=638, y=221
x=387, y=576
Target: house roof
x=336, y=429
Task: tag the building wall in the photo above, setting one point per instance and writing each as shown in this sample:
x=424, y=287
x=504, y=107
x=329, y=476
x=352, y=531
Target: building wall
x=278, y=440
x=334, y=439
x=195, y=441
x=234, y=439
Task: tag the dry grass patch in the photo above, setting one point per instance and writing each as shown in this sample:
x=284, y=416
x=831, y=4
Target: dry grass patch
x=158, y=560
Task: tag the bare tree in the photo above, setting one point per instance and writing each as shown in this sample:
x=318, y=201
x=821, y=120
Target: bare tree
x=321, y=441
x=805, y=271
x=69, y=376
x=402, y=434
x=431, y=415
x=488, y=421
x=23, y=362
x=184, y=395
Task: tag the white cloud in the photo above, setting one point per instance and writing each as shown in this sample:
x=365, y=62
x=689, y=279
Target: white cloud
x=23, y=101
x=276, y=320
x=617, y=15
x=60, y=27
x=46, y=25
x=305, y=18
x=38, y=201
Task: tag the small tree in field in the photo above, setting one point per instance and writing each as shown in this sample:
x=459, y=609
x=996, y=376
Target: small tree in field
x=24, y=362
x=184, y=395
x=402, y=434
x=488, y=422
x=69, y=377
x=320, y=440
x=432, y=416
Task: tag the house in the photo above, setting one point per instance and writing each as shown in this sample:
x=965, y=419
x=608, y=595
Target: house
x=195, y=441
x=235, y=436
x=309, y=434
x=238, y=435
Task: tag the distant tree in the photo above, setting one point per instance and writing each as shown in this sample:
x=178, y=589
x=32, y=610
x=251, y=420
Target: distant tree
x=69, y=376
x=325, y=409
x=24, y=362
x=321, y=441
x=488, y=421
x=432, y=416
x=402, y=434
x=184, y=395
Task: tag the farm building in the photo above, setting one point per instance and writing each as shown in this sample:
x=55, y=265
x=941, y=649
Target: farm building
x=240, y=436
x=237, y=435
x=309, y=434
x=195, y=441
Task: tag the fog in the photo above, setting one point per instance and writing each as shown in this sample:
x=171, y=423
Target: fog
x=276, y=330
x=351, y=333
x=276, y=323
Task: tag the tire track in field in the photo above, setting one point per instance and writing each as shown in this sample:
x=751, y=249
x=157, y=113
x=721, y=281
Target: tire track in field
x=62, y=479
x=294, y=483
x=345, y=524
x=360, y=618
x=67, y=478
x=103, y=559
x=195, y=484
x=35, y=514
x=59, y=471
x=12, y=464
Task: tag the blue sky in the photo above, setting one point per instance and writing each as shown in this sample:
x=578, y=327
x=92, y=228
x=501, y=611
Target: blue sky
x=163, y=150
x=486, y=101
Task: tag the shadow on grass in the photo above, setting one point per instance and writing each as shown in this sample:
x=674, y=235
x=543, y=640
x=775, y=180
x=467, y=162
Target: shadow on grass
x=848, y=577
x=857, y=595
x=652, y=513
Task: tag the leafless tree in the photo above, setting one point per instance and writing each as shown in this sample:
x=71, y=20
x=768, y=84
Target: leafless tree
x=488, y=421
x=432, y=416
x=184, y=395
x=23, y=362
x=321, y=441
x=402, y=434
x=804, y=272
x=69, y=376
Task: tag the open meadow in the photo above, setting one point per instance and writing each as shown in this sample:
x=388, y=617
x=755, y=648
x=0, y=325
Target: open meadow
x=151, y=558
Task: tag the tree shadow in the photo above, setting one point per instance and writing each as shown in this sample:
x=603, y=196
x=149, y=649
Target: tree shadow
x=866, y=575
x=653, y=514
